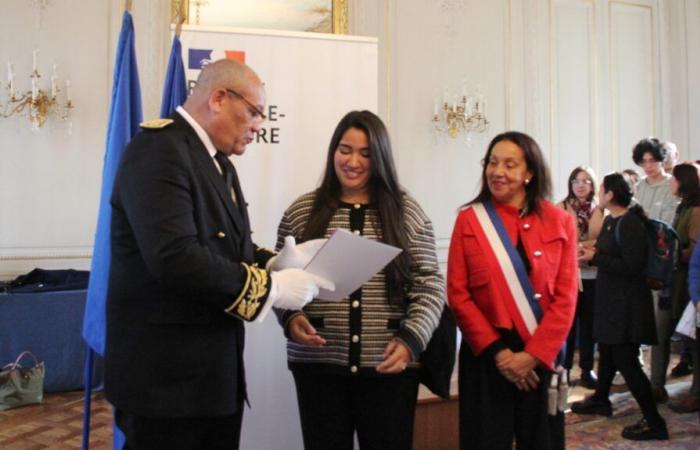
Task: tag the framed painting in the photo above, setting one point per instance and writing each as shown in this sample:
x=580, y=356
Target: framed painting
x=318, y=16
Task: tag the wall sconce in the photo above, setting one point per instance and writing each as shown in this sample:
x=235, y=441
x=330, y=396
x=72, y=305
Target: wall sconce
x=466, y=114
x=37, y=104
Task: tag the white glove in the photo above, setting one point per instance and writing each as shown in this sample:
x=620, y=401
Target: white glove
x=294, y=288
x=294, y=256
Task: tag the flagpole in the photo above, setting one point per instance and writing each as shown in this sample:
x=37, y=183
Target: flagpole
x=87, y=404
x=181, y=17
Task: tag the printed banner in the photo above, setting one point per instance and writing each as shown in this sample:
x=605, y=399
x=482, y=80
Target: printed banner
x=311, y=81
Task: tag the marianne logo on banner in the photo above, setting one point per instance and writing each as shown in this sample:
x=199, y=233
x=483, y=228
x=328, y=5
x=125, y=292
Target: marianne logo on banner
x=198, y=58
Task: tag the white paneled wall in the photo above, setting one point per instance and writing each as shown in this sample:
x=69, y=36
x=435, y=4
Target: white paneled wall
x=443, y=174
x=605, y=84
x=574, y=90
x=690, y=65
x=49, y=181
x=634, y=80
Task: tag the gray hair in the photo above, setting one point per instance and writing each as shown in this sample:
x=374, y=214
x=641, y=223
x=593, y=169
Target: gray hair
x=227, y=73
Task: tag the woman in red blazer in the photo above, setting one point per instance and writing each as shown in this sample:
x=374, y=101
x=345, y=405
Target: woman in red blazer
x=505, y=367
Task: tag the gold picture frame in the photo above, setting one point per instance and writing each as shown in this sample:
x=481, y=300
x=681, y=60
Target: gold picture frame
x=338, y=14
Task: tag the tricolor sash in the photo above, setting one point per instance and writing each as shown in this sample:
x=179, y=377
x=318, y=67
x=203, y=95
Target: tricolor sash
x=520, y=295
x=518, y=289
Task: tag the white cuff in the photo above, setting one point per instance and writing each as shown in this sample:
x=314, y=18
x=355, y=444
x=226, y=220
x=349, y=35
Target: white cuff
x=269, y=263
x=271, y=299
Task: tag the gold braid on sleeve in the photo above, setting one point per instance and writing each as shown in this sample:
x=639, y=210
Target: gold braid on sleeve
x=255, y=288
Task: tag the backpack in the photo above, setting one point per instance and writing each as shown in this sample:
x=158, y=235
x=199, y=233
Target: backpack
x=664, y=247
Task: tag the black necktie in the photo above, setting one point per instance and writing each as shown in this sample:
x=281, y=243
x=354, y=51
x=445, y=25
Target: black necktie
x=226, y=171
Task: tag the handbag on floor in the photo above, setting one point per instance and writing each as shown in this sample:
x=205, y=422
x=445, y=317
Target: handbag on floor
x=21, y=386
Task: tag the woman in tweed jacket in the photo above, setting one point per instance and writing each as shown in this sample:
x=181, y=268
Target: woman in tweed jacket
x=355, y=362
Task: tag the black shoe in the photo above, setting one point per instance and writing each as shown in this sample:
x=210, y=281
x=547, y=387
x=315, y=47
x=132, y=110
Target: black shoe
x=589, y=380
x=593, y=405
x=682, y=369
x=642, y=431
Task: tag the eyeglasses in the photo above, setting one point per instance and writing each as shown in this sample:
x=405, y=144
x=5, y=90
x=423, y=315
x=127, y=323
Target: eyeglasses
x=255, y=111
x=576, y=182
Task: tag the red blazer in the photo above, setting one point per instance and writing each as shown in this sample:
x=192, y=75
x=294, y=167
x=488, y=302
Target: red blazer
x=474, y=280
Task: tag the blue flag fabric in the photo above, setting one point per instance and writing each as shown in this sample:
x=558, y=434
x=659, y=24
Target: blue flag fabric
x=175, y=88
x=124, y=117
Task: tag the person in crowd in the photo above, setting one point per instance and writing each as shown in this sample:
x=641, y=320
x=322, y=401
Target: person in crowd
x=512, y=284
x=581, y=203
x=694, y=292
x=685, y=185
x=634, y=177
x=355, y=362
x=685, y=362
x=624, y=313
x=672, y=156
x=184, y=272
x=653, y=192
x=655, y=197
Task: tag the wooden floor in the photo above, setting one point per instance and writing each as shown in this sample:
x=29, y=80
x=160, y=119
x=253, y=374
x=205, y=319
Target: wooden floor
x=56, y=424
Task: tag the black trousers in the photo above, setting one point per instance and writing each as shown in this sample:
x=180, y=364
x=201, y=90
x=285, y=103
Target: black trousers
x=189, y=433
x=493, y=412
x=583, y=326
x=625, y=358
x=380, y=408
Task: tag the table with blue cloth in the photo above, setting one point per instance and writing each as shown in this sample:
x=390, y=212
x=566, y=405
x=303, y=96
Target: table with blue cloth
x=49, y=324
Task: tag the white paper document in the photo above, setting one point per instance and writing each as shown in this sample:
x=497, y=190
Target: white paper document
x=349, y=261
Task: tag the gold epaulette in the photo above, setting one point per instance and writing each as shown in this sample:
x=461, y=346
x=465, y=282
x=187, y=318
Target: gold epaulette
x=155, y=124
x=255, y=288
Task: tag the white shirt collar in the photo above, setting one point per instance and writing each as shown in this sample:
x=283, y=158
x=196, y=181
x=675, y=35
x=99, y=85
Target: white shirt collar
x=203, y=136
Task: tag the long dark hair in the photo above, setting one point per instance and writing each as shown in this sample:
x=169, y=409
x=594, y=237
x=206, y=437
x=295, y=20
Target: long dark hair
x=539, y=187
x=385, y=194
x=574, y=173
x=622, y=188
x=688, y=183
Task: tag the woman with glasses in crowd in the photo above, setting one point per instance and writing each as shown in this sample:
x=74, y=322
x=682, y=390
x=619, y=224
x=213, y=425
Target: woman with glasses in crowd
x=581, y=203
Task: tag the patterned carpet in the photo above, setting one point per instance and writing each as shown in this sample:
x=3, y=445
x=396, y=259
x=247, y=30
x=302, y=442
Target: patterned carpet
x=596, y=432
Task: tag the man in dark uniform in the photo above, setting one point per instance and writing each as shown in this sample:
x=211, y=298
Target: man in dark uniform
x=185, y=273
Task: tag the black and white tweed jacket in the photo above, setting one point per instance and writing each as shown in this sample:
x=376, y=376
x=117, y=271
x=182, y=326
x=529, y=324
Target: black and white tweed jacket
x=358, y=328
